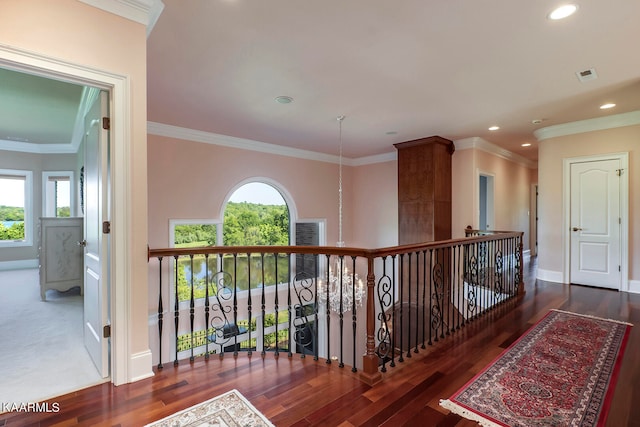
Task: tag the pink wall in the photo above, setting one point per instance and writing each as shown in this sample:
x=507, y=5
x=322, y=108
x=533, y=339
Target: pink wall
x=375, y=203
x=191, y=180
x=463, y=189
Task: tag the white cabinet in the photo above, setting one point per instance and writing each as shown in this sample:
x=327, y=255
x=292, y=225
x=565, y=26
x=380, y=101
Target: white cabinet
x=61, y=255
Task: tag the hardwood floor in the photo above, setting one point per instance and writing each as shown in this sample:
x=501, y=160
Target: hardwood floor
x=301, y=392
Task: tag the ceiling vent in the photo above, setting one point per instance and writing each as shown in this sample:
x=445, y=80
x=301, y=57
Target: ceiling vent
x=586, y=75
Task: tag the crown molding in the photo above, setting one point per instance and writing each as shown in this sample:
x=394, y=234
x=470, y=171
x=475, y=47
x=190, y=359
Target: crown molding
x=145, y=12
x=29, y=147
x=177, y=132
x=378, y=158
x=590, y=125
x=484, y=145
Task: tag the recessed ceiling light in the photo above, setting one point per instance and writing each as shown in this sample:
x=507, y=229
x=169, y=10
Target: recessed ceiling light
x=494, y=128
x=392, y=132
x=284, y=99
x=607, y=106
x=526, y=144
x=563, y=12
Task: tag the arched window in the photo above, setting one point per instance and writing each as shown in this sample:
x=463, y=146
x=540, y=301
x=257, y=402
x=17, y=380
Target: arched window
x=256, y=214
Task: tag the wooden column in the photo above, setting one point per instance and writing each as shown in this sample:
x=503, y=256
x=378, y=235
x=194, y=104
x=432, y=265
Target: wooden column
x=424, y=190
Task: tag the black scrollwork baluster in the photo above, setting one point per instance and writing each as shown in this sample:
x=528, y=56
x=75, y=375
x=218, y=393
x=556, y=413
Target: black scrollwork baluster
x=223, y=330
x=385, y=301
x=305, y=331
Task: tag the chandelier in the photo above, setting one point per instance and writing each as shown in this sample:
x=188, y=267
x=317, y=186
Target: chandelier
x=344, y=289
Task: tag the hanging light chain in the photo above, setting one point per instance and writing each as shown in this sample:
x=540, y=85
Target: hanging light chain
x=340, y=241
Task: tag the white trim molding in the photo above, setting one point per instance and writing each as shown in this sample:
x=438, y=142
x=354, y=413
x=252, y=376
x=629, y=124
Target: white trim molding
x=186, y=134
x=634, y=286
x=21, y=264
x=486, y=146
x=377, y=158
x=549, y=276
x=590, y=125
x=145, y=12
x=170, y=131
x=139, y=366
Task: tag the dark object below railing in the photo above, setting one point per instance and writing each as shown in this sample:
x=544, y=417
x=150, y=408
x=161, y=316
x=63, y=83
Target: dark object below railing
x=274, y=298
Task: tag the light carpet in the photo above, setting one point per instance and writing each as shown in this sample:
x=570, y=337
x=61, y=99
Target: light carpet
x=230, y=409
x=562, y=372
x=42, y=353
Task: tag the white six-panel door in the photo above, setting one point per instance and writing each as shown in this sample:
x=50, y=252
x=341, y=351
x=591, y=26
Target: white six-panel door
x=595, y=223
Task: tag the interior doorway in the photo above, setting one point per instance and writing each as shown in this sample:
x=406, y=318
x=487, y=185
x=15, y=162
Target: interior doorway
x=533, y=220
x=486, y=215
x=82, y=377
x=126, y=364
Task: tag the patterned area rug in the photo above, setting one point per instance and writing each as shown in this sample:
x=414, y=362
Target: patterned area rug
x=231, y=409
x=562, y=372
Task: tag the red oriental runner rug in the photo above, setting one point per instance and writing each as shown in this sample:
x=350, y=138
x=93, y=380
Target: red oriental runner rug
x=561, y=372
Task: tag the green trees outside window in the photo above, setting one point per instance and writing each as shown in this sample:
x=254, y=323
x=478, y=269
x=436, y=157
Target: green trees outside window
x=11, y=223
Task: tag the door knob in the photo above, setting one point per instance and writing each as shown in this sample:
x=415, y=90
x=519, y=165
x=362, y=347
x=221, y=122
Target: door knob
x=577, y=229
x=82, y=243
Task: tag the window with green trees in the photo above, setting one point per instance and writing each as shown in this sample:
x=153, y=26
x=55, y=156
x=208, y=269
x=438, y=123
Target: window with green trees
x=14, y=207
x=58, y=194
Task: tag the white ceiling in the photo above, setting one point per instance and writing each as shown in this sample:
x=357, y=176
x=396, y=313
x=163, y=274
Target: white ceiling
x=413, y=68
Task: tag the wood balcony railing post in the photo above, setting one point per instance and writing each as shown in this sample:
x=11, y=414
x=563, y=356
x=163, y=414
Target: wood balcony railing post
x=370, y=372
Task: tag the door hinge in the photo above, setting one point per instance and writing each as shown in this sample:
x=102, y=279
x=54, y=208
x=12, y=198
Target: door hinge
x=619, y=172
x=106, y=227
x=106, y=123
x=106, y=331
x=619, y=268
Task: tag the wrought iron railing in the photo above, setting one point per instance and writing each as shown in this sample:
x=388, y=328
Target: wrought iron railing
x=275, y=299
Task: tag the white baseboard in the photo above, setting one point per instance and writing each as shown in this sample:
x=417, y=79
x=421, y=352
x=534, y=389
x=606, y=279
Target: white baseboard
x=550, y=276
x=19, y=265
x=634, y=286
x=141, y=366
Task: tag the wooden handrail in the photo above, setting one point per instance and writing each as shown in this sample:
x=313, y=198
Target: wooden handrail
x=330, y=250
x=370, y=373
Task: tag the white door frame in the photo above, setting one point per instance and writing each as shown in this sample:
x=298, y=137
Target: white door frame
x=624, y=213
x=533, y=220
x=118, y=87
